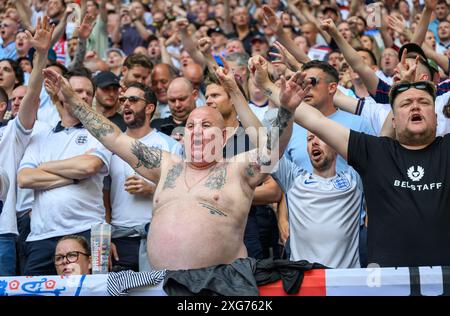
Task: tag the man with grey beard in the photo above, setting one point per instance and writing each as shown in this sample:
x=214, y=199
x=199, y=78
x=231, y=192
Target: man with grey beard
x=130, y=195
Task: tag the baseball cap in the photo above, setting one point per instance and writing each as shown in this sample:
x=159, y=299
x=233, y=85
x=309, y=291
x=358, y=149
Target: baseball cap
x=260, y=38
x=215, y=30
x=414, y=48
x=106, y=79
x=411, y=48
x=117, y=50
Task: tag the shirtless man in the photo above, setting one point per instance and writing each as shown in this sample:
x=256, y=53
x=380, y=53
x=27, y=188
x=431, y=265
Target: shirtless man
x=200, y=204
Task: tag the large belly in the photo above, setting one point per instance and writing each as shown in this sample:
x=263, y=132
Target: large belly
x=186, y=236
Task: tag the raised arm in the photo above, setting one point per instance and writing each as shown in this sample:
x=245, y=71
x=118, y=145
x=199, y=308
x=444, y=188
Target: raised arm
x=24, y=11
x=165, y=56
x=103, y=11
x=145, y=160
x=41, y=42
x=278, y=136
x=345, y=102
x=311, y=18
x=367, y=75
x=440, y=59
x=331, y=132
x=61, y=27
x=258, y=67
x=227, y=25
x=248, y=119
x=277, y=26
x=83, y=33
x=422, y=27
x=189, y=44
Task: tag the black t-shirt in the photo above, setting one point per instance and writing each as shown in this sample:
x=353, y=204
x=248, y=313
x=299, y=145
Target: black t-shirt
x=118, y=120
x=408, y=199
x=167, y=125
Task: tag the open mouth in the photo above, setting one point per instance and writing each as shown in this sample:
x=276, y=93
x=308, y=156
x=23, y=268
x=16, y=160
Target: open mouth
x=416, y=118
x=127, y=114
x=316, y=154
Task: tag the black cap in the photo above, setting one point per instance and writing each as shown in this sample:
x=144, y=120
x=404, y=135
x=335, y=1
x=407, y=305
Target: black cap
x=106, y=79
x=411, y=48
x=260, y=38
x=414, y=48
x=215, y=30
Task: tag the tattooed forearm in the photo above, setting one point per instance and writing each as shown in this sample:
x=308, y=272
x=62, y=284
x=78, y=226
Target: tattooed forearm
x=281, y=122
x=172, y=176
x=149, y=157
x=218, y=178
x=96, y=124
x=213, y=210
x=79, y=55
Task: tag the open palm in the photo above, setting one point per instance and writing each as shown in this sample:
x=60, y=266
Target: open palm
x=293, y=91
x=42, y=36
x=272, y=20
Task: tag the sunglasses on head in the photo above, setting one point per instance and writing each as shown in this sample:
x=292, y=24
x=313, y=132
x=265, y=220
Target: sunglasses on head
x=420, y=85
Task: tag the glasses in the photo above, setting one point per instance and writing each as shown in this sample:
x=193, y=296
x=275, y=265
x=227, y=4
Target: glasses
x=420, y=85
x=314, y=80
x=132, y=99
x=70, y=256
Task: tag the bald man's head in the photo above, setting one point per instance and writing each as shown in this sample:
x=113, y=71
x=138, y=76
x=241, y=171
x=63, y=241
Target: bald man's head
x=205, y=136
x=181, y=98
x=193, y=73
x=205, y=113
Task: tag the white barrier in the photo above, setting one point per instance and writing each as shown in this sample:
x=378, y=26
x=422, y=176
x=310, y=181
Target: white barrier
x=429, y=281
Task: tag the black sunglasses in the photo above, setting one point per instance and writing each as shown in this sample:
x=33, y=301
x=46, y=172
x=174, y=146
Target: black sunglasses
x=314, y=81
x=132, y=99
x=420, y=85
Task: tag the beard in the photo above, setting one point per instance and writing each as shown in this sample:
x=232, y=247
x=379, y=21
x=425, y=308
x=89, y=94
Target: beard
x=138, y=121
x=323, y=164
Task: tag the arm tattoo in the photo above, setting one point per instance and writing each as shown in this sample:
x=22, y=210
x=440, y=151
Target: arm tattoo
x=79, y=55
x=218, y=178
x=267, y=92
x=97, y=125
x=253, y=168
x=213, y=210
x=172, y=175
x=281, y=122
x=149, y=157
